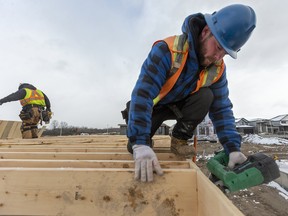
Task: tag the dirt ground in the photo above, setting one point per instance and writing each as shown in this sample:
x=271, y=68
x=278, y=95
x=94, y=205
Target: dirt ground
x=259, y=200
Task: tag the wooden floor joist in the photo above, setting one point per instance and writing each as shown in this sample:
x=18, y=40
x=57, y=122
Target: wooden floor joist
x=79, y=155
x=42, y=163
x=81, y=175
x=75, y=149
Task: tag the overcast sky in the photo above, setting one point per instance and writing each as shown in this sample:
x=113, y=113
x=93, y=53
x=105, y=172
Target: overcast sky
x=86, y=55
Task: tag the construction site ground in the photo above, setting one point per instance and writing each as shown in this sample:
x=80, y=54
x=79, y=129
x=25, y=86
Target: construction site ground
x=259, y=200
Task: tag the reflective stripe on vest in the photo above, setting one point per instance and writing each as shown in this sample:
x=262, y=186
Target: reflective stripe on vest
x=33, y=97
x=178, y=46
x=210, y=75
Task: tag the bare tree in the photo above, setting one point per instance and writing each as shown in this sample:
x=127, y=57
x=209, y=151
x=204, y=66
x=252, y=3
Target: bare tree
x=54, y=124
x=63, y=124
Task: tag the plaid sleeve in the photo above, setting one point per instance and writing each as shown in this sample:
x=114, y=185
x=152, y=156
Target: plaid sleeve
x=222, y=116
x=150, y=81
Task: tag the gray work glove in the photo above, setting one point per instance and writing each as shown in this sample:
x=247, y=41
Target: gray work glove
x=145, y=163
x=236, y=158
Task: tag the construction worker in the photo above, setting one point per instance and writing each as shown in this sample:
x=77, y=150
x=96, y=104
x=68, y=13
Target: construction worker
x=33, y=111
x=184, y=78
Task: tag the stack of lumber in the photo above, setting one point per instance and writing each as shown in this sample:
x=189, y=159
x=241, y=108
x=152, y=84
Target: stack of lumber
x=94, y=175
x=11, y=129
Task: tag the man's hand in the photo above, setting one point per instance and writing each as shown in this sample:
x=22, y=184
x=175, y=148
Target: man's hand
x=145, y=162
x=236, y=158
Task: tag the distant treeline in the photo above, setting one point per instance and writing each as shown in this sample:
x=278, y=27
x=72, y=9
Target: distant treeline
x=79, y=131
x=62, y=129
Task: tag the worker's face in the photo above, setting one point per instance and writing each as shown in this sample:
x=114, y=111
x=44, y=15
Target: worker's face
x=210, y=50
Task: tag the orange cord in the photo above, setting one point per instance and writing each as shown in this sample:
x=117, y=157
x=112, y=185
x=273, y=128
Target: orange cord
x=195, y=146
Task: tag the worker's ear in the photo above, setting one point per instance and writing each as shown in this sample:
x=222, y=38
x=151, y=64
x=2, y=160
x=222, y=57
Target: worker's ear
x=205, y=32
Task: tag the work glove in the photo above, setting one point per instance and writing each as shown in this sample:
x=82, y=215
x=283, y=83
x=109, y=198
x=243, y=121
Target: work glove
x=236, y=158
x=145, y=163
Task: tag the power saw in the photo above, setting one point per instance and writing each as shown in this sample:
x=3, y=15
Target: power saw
x=257, y=169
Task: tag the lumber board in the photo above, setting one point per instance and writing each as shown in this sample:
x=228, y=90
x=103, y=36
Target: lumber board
x=80, y=155
x=2, y=127
x=87, y=139
x=14, y=131
x=60, y=145
x=95, y=192
x=41, y=130
x=93, y=140
x=17, y=133
x=73, y=149
x=34, y=163
x=208, y=193
x=10, y=129
x=6, y=129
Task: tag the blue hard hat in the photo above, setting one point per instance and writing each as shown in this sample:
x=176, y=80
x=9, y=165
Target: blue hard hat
x=232, y=26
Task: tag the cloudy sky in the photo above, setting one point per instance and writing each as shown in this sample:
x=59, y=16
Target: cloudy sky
x=86, y=54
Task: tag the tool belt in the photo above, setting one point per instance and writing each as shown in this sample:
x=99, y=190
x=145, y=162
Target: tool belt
x=125, y=112
x=29, y=106
x=26, y=114
x=45, y=116
x=172, y=107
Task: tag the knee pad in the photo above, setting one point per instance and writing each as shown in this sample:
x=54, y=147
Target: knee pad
x=25, y=127
x=184, y=130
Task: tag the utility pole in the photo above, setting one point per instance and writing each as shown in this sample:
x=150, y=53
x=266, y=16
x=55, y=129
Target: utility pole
x=60, y=130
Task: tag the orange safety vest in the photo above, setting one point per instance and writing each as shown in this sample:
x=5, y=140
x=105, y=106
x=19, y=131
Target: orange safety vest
x=33, y=97
x=178, y=46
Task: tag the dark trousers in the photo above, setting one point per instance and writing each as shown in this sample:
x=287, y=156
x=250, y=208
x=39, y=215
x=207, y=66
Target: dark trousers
x=188, y=113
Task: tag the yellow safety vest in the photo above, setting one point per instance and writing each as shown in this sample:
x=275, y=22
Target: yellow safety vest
x=33, y=97
x=178, y=46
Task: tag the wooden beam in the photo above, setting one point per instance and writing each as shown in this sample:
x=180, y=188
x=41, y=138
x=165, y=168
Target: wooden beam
x=3, y=125
x=6, y=129
x=95, y=140
x=73, y=149
x=10, y=129
x=41, y=130
x=80, y=156
x=208, y=193
x=15, y=131
x=88, y=192
x=125, y=164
